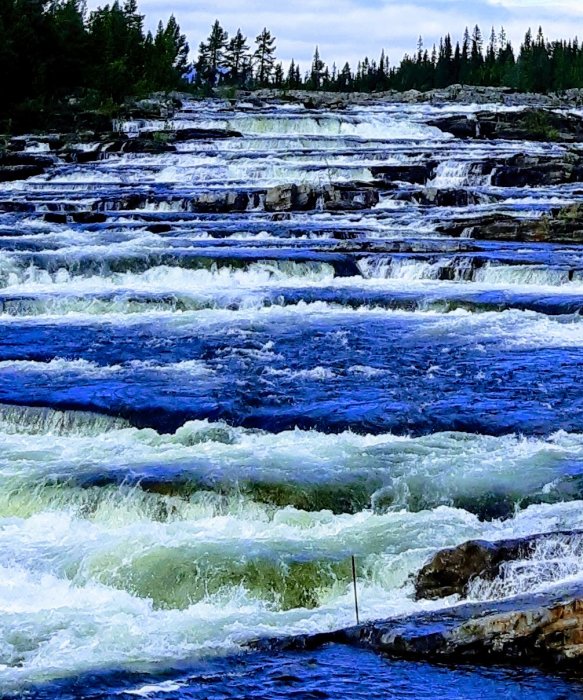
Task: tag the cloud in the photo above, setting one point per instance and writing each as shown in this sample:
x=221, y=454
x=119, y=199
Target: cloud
x=347, y=30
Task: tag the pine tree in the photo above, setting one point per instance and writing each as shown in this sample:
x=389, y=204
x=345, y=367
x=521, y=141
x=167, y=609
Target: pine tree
x=211, y=54
x=264, y=56
x=316, y=71
x=237, y=56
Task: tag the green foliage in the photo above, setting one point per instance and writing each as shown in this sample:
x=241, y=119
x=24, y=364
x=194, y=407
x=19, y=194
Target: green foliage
x=51, y=49
x=538, y=124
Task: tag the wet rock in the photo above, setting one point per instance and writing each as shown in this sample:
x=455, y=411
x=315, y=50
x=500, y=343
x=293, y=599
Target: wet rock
x=525, y=125
x=559, y=225
x=9, y=173
x=224, y=202
x=414, y=174
x=139, y=144
x=535, y=171
x=20, y=166
x=53, y=217
x=442, y=197
x=539, y=629
x=88, y=217
x=536, y=629
x=191, y=134
x=339, y=197
x=450, y=571
x=9, y=158
x=346, y=197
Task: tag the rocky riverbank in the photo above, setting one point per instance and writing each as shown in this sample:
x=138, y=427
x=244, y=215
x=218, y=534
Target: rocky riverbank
x=534, y=629
x=454, y=94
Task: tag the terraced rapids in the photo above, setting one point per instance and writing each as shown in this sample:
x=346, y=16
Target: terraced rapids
x=208, y=408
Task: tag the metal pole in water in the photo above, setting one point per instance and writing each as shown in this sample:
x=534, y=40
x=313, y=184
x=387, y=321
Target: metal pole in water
x=355, y=589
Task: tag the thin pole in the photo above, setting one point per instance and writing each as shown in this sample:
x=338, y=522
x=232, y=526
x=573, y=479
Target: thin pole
x=355, y=589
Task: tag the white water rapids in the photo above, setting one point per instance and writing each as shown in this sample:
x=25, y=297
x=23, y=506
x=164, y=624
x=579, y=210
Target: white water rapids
x=281, y=345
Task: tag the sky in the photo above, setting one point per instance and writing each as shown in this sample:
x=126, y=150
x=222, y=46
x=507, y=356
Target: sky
x=348, y=30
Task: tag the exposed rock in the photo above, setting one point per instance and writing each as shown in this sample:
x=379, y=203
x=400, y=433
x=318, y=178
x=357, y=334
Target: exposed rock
x=172, y=135
x=20, y=166
x=561, y=225
x=339, y=197
x=544, y=628
x=530, y=124
x=88, y=217
x=347, y=197
x=8, y=158
x=451, y=570
x=459, y=94
x=415, y=174
x=535, y=171
x=9, y=173
x=139, y=144
x=443, y=197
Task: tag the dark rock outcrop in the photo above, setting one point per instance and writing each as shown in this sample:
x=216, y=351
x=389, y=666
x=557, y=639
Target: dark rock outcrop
x=191, y=134
x=9, y=173
x=534, y=628
x=534, y=171
x=443, y=197
x=339, y=197
x=541, y=629
x=415, y=174
x=450, y=571
x=139, y=144
x=560, y=225
x=527, y=125
x=545, y=629
x=15, y=165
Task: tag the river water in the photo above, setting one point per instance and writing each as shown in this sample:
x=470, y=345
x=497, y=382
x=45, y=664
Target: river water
x=205, y=415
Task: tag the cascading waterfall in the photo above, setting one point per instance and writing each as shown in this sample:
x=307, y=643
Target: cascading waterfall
x=205, y=414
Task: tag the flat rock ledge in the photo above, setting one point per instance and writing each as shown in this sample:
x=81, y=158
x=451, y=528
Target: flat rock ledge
x=558, y=225
x=544, y=628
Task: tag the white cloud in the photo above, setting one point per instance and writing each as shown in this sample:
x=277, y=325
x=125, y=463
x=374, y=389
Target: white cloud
x=351, y=29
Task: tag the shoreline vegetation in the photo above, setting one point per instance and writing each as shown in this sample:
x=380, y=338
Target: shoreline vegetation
x=64, y=67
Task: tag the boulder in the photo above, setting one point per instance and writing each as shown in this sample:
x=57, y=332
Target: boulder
x=173, y=135
x=339, y=197
x=537, y=629
x=542, y=629
x=450, y=571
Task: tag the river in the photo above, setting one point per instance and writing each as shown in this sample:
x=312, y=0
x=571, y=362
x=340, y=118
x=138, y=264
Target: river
x=205, y=415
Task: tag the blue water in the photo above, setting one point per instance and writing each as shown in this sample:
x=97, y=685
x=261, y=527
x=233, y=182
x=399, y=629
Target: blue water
x=330, y=672
x=204, y=416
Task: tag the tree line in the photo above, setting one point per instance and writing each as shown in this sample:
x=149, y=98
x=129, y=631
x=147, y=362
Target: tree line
x=54, y=50
x=538, y=65
x=51, y=49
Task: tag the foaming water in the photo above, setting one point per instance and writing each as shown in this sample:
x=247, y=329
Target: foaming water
x=435, y=373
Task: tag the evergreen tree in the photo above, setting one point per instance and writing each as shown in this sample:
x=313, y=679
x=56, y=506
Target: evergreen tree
x=211, y=55
x=237, y=57
x=264, y=56
x=316, y=71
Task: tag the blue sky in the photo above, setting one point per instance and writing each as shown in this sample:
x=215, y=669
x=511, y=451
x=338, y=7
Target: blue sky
x=350, y=29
